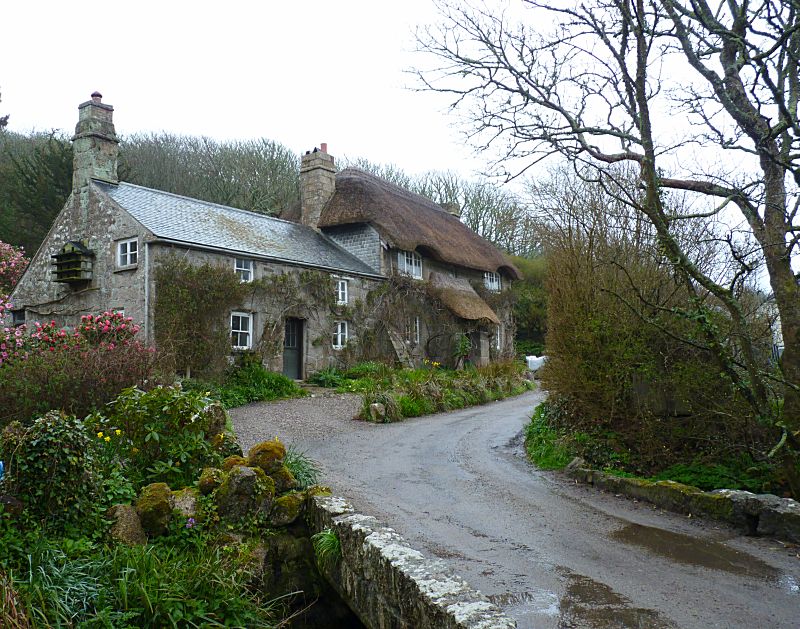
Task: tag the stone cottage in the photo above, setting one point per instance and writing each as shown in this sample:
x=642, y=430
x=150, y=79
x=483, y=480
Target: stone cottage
x=359, y=269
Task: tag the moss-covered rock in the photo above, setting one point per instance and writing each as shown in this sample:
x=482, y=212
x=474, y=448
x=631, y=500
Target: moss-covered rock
x=284, y=480
x=245, y=491
x=711, y=504
x=154, y=508
x=214, y=419
x=210, y=479
x=318, y=490
x=127, y=528
x=287, y=508
x=185, y=501
x=268, y=455
x=228, y=463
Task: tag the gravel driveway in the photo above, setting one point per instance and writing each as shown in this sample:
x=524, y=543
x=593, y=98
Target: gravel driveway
x=550, y=553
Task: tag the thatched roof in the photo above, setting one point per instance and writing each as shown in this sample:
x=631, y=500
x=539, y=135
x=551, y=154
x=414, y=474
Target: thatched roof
x=460, y=298
x=410, y=221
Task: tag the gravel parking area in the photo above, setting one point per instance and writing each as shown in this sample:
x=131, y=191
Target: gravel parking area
x=311, y=418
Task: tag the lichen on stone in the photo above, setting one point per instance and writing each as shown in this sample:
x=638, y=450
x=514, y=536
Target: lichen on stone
x=244, y=491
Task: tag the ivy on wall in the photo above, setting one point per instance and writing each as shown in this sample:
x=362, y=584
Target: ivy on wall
x=193, y=303
x=191, y=309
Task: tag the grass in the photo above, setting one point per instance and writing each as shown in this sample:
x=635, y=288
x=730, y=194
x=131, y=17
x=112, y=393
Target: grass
x=303, y=467
x=550, y=448
x=158, y=585
x=327, y=548
x=543, y=444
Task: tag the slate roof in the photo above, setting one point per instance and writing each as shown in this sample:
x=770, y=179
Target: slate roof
x=194, y=222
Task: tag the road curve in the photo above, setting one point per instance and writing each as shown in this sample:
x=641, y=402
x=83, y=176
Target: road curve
x=549, y=552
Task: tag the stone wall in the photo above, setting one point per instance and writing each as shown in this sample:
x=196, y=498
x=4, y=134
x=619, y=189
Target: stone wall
x=91, y=217
x=388, y=584
x=754, y=514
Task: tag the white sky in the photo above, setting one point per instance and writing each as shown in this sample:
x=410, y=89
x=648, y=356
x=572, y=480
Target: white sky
x=299, y=73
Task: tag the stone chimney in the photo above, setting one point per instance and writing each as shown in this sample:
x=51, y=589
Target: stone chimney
x=317, y=184
x=95, y=143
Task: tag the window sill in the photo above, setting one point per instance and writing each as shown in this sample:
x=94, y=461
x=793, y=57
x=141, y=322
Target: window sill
x=125, y=269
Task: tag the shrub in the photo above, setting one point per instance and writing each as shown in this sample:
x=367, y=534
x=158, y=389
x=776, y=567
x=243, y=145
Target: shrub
x=76, y=372
x=329, y=377
x=164, y=434
x=51, y=467
x=247, y=382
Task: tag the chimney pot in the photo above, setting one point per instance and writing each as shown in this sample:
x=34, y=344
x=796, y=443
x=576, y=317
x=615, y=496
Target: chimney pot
x=97, y=97
x=323, y=147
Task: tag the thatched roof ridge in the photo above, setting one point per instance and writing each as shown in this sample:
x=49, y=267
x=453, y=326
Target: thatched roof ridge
x=410, y=221
x=460, y=298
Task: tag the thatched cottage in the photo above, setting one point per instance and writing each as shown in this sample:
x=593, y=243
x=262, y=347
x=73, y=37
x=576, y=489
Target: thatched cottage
x=359, y=269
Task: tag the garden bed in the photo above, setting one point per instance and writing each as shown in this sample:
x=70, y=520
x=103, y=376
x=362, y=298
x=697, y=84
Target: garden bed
x=391, y=394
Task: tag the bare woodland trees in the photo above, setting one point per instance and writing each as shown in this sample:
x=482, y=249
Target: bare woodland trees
x=698, y=98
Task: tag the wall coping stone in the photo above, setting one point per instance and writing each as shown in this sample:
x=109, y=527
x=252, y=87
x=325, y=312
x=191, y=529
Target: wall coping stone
x=390, y=585
x=756, y=514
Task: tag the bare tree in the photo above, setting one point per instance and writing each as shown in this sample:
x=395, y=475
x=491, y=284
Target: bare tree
x=699, y=98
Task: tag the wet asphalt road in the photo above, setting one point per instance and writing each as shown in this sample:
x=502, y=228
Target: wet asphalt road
x=549, y=552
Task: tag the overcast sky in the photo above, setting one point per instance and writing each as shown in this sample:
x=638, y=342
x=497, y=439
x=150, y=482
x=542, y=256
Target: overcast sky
x=300, y=73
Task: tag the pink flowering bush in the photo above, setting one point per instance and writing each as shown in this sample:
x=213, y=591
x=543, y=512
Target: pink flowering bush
x=12, y=265
x=76, y=371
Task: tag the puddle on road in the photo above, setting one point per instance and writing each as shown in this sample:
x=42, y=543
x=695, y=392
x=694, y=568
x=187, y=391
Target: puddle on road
x=592, y=605
x=689, y=550
x=585, y=604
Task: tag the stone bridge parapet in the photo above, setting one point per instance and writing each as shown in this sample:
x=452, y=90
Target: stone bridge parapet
x=390, y=585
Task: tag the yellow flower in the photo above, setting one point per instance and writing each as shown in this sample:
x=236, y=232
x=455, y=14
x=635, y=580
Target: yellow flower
x=108, y=439
x=134, y=450
x=118, y=432
x=99, y=435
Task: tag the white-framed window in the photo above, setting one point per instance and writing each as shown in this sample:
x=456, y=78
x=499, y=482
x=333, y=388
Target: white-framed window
x=341, y=292
x=339, y=334
x=128, y=252
x=244, y=269
x=241, y=330
x=492, y=282
x=409, y=263
x=412, y=331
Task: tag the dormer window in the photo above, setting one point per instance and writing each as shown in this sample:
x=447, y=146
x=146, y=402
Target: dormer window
x=244, y=269
x=492, y=281
x=409, y=263
x=128, y=252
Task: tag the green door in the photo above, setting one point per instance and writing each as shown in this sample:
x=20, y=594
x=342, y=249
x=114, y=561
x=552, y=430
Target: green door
x=293, y=349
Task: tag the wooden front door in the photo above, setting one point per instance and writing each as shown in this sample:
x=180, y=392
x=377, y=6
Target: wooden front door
x=293, y=349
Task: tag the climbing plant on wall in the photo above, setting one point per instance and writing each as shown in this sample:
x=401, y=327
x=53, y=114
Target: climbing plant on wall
x=192, y=305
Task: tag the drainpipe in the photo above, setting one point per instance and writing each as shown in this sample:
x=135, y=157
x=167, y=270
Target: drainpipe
x=147, y=292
